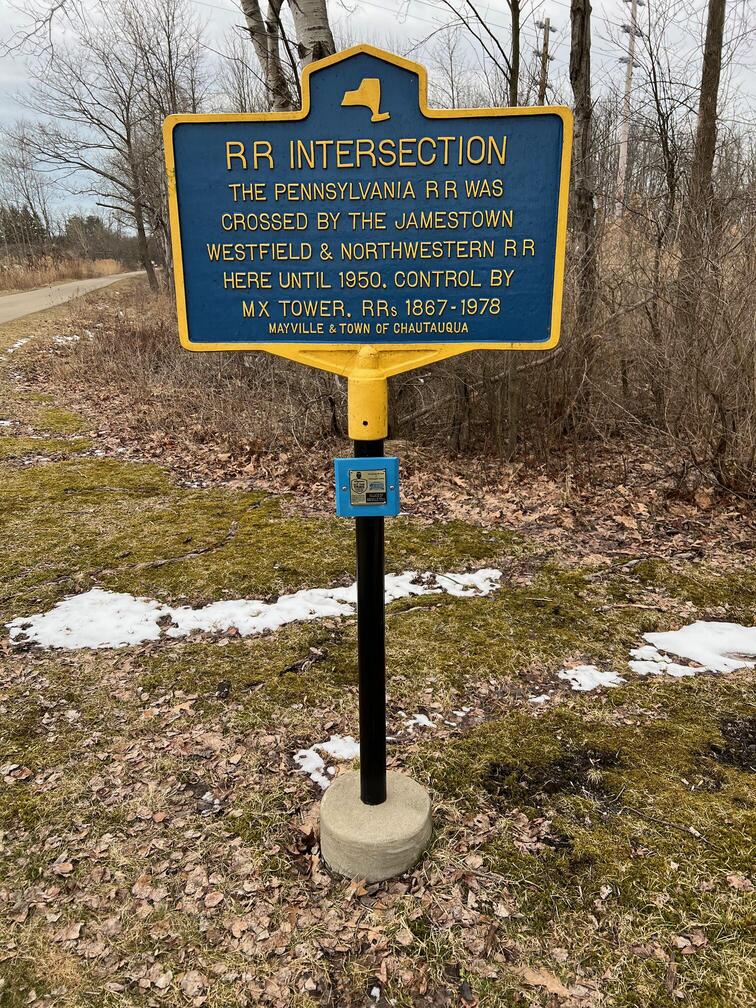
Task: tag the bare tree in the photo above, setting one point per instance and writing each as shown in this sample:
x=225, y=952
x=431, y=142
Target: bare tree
x=312, y=30
x=92, y=134
x=280, y=52
x=468, y=16
x=697, y=216
x=21, y=182
x=240, y=83
x=163, y=37
x=584, y=210
x=102, y=92
x=514, y=74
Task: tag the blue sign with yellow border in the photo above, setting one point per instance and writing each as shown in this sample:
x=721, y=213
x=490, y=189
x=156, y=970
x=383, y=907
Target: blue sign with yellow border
x=369, y=218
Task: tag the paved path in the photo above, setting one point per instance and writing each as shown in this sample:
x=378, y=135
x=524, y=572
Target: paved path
x=13, y=306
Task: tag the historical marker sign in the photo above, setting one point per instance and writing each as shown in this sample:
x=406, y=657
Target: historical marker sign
x=369, y=219
x=366, y=235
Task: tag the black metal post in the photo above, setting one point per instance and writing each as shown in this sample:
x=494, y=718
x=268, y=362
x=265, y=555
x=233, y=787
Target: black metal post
x=371, y=647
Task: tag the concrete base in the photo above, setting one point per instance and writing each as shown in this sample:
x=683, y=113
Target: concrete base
x=374, y=842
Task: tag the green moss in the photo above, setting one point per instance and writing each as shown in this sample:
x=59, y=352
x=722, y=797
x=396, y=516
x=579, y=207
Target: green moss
x=506, y=636
x=59, y=421
x=450, y=641
x=18, y=447
x=18, y=977
x=652, y=739
x=444, y=545
x=513, y=636
x=262, y=674
x=709, y=590
x=642, y=808
x=126, y=527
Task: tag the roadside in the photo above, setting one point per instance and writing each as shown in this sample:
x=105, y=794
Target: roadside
x=28, y=302
x=160, y=846
x=40, y=270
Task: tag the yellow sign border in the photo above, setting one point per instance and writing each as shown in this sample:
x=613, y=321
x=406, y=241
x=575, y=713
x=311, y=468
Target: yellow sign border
x=385, y=359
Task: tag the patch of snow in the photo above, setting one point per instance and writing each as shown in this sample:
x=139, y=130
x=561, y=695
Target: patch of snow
x=542, y=698
x=418, y=721
x=310, y=762
x=100, y=619
x=589, y=677
x=95, y=619
x=716, y=647
x=709, y=646
x=661, y=667
x=399, y=586
x=17, y=345
x=341, y=747
x=646, y=653
x=481, y=582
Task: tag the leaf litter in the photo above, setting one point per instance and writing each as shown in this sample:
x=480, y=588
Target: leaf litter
x=175, y=852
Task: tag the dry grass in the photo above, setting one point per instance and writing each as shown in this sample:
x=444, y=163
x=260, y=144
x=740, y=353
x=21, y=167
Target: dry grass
x=690, y=392
x=240, y=400
x=16, y=275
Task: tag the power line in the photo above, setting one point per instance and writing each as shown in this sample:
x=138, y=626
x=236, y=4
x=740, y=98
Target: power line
x=604, y=73
x=495, y=24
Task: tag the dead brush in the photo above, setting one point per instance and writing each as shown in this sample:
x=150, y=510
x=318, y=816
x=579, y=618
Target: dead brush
x=244, y=401
x=16, y=275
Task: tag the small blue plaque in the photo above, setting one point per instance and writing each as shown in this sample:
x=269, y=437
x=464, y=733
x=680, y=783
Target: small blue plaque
x=367, y=487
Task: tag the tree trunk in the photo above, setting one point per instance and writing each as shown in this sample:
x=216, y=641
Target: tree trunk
x=313, y=40
x=514, y=74
x=265, y=40
x=144, y=252
x=696, y=221
x=313, y=32
x=460, y=421
x=583, y=207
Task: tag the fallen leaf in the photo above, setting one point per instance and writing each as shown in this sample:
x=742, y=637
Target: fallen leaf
x=192, y=983
x=237, y=926
x=542, y=978
x=404, y=936
x=70, y=932
x=740, y=882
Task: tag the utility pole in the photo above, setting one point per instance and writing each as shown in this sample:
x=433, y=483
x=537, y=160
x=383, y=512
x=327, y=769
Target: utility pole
x=633, y=31
x=544, y=54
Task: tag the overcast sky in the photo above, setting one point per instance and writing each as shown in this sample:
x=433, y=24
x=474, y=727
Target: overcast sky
x=401, y=24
